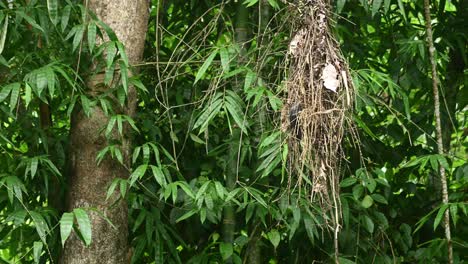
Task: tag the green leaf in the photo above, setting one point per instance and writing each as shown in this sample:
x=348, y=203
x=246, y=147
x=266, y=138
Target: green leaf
x=27, y=94
x=124, y=76
x=367, y=201
x=274, y=237
x=110, y=125
x=78, y=37
x=443, y=161
x=66, y=225
x=402, y=9
x=33, y=168
x=86, y=104
x=50, y=75
x=65, y=17
x=146, y=153
x=235, y=110
x=310, y=228
x=376, y=4
x=139, y=220
x=382, y=219
x=84, y=225
x=184, y=186
x=387, y=5
x=205, y=66
x=249, y=211
x=208, y=114
x=111, y=51
x=223, y=53
x=249, y=79
x=158, y=175
x=6, y=91
x=186, y=215
x=3, y=35
x=226, y=250
x=370, y=184
x=37, y=250
x=345, y=210
x=348, y=182
x=201, y=192
x=219, y=189
x=53, y=13
x=29, y=20
x=274, y=4
x=197, y=139
x=434, y=162
x=41, y=225
x=379, y=198
x=368, y=224
x=358, y=190
x=454, y=213
x=123, y=53
x=111, y=188
x=138, y=173
x=4, y=62
x=110, y=33
x=15, y=91
x=339, y=5
x=250, y=3
x=108, y=77
x=439, y=216
x=91, y=36
x=123, y=187
x=345, y=261
x=119, y=124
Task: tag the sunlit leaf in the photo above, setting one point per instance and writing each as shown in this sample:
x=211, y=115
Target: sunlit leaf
x=348, y=182
x=40, y=224
x=226, y=250
x=84, y=225
x=30, y=20
x=3, y=34
x=274, y=237
x=138, y=173
x=66, y=225
x=439, y=215
x=368, y=224
x=52, y=7
x=201, y=72
x=367, y=201
x=91, y=36
x=376, y=4
x=65, y=17
x=27, y=94
x=78, y=36
x=37, y=250
x=15, y=91
x=223, y=53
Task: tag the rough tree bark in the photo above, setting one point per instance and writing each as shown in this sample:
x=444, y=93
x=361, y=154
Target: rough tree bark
x=88, y=181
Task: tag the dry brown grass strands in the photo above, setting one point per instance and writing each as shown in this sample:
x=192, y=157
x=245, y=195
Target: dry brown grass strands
x=315, y=115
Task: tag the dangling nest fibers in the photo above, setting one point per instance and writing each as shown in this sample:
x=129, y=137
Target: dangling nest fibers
x=319, y=99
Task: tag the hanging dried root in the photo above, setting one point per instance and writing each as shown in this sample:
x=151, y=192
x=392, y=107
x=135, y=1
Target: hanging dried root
x=319, y=99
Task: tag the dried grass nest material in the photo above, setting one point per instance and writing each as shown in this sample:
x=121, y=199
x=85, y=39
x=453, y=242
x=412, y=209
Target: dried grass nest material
x=319, y=99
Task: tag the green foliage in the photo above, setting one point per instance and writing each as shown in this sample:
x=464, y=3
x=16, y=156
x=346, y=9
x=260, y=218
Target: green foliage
x=197, y=91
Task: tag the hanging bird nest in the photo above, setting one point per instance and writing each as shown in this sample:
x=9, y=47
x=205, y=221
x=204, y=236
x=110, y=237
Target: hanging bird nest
x=319, y=99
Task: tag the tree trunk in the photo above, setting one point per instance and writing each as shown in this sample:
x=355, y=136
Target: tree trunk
x=88, y=181
x=229, y=217
x=254, y=248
